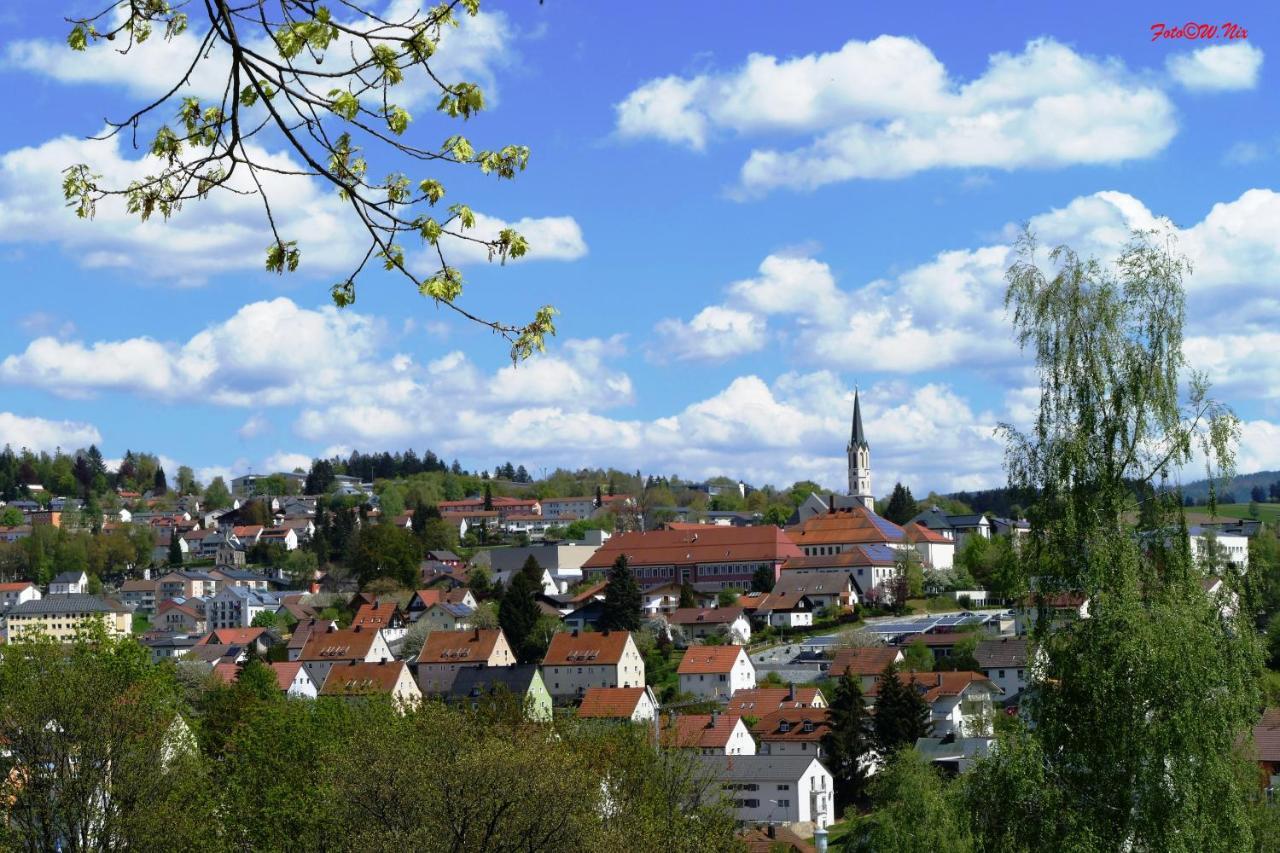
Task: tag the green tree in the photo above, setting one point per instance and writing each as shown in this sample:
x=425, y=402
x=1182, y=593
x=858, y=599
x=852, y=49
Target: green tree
x=686, y=595
x=11, y=516
x=518, y=611
x=621, y=598
x=187, y=484
x=175, y=549
x=917, y=657
x=916, y=811
x=902, y=506
x=488, y=498
x=902, y=715
x=300, y=568
x=217, y=495
x=762, y=579
x=160, y=485
x=849, y=742
x=1156, y=659
x=384, y=550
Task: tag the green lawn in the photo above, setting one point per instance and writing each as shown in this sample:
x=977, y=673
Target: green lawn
x=1266, y=512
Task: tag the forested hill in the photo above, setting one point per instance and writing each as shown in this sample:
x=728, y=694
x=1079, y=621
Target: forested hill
x=1239, y=490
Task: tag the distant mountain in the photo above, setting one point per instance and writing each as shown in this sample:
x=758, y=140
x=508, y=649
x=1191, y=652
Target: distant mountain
x=1239, y=488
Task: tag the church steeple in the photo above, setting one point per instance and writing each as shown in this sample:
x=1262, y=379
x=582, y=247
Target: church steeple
x=859, y=453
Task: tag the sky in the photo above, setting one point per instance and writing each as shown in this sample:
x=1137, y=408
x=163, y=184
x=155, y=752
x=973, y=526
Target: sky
x=742, y=215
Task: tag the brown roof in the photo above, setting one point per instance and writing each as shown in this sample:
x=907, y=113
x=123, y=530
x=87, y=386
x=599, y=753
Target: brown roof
x=169, y=604
x=854, y=525
x=699, y=731
x=610, y=702
x=575, y=648
x=375, y=617
x=362, y=679
x=804, y=583
x=710, y=544
x=760, y=700
x=589, y=593
x=338, y=645
x=852, y=558
x=304, y=629
x=709, y=659
x=21, y=585
x=475, y=646
x=1002, y=652
x=247, y=529
x=231, y=636
x=1266, y=735
x=788, y=725
x=704, y=615
x=919, y=533
x=868, y=660
x=127, y=586
x=936, y=685
x=227, y=673
x=782, y=601
x=286, y=672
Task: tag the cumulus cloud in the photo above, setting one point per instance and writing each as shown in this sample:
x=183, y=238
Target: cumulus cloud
x=1217, y=68
x=888, y=108
x=255, y=426
x=715, y=333
x=43, y=434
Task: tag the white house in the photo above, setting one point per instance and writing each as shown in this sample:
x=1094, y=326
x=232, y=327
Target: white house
x=69, y=583
x=936, y=549
x=17, y=593
x=578, y=660
x=788, y=609
x=716, y=672
x=1231, y=547
x=789, y=789
x=636, y=704
x=709, y=734
x=238, y=606
x=730, y=623
x=292, y=678
x=323, y=649
x=1004, y=661
x=961, y=702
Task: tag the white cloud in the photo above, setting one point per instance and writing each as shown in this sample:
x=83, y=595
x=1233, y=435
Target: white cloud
x=715, y=333
x=1217, y=68
x=791, y=285
x=42, y=434
x=220, y=234
x=888, y=108
x=1259, y=446
x=255, y=426
x=283, y=461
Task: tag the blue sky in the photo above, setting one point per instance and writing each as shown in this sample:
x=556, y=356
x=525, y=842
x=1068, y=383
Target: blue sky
x=740, y=215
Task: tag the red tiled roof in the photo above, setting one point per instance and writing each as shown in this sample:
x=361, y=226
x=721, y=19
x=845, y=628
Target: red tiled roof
x=1266, y=735
x=770, y=726
x=709, y=544
x=231, y=636
x=919, y=533
x=870, y=660
x=854, y=525
x=610, y=702
x=338, y=645
x=589, y=592
x=228, y=673
x=709, y=659
x=375, y=617
x=852, y=558
x=247, y=529
x=594, y=648
x=15, y=587
x=462, y=647
x=699, y=731
x=760, y=700
x=362, y=679
x=704, y=615
x=936, y=685
x=286, y=671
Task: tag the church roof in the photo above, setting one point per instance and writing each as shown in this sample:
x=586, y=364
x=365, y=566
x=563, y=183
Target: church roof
x=857, y=437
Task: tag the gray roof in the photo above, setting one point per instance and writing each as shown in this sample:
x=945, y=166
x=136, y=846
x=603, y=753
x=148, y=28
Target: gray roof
x=755, y=768
x=1001, y=653
x=857, y=438
x=806, y=583
x=69, y=577
x=73, y=603
x=474, y=681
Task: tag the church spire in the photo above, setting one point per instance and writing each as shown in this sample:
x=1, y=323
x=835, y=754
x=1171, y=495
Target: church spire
x=858, y=438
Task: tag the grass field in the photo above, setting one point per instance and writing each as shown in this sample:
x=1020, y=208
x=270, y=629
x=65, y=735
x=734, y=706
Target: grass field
x=1266, y=512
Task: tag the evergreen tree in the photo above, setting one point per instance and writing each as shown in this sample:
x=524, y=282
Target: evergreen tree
x=762, y=580
x=902, y=506
x=518, y=612
x=850, y=740
x=488, y=498
x=161, y=484
x=599, y=497
x=902, y=715
x=621, y=598
x=175, y=549
x=686, y=595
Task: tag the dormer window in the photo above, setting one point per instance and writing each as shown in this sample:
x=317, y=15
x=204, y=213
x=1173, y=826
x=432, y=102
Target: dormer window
x=808, y=725
x=784, y=726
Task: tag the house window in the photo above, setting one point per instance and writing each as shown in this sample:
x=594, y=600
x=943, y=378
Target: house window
x=784, y=787
x=784, y=804
x=1001, y=673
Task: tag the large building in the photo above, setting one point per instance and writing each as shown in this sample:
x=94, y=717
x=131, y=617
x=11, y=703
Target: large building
x=707, y=556
x=61, y=616
x=859, y=453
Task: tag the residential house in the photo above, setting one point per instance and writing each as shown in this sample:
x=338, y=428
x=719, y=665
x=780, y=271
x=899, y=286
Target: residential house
x=292, y=678
x=709, y=557
x=729, y=623
x=523, y=683
x=302, y=632
x=636, y=704
x=565, y=510
x=716, y=672
x=1004, y=661
x=382, y=616
x=833, y=593
x=423, y=599
x=708, y=734
x=248, y=485
x=578, y=660
x=759, y=701
x=446, y=652
x=1061, y=608
x=69, y=583
x=15, y=533
x=774, y=839
x=238, y=606
x=443, y=616
x=175, y=616
x=789, y=609
x=186, y=584
x=774, y=789
x=140, y=594
x=936, y=549
x=17, y=592
x=961, y=702
x=230, y=576
x=325, y=649
x=873, y=568
x=1266, y=744
x=447, y=557
x=60, y=616
x=164, y=645
x=284, y=537
x=954, y=527
x=547, y=582
x=362, y=679
x=248, y=534
x=501, y=506
x=160, y=550
x=865, y=662
x=1216, y=545
x=256, y=638
x=793, y=731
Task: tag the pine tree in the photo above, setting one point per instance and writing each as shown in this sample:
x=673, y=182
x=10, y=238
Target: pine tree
x=161, y=484
x=762, y=580
x=621, y=598
x=599, y=497
x=518, y=612
x=850, y=740
x=175, y=549
x=902, y=506
x=488, y=498
x=686, y=595
x=902, y=714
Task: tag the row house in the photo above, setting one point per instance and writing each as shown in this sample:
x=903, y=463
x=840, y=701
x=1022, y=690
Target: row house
x=708, y=557
x=446, y=652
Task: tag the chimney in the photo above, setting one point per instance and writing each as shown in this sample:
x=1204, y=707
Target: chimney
x=382, y=662
x=477, y=635
x=831, y=506
x=791, y=693
x=715, y=718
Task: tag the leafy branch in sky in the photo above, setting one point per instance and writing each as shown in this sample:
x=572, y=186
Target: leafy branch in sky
x=327, y=86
